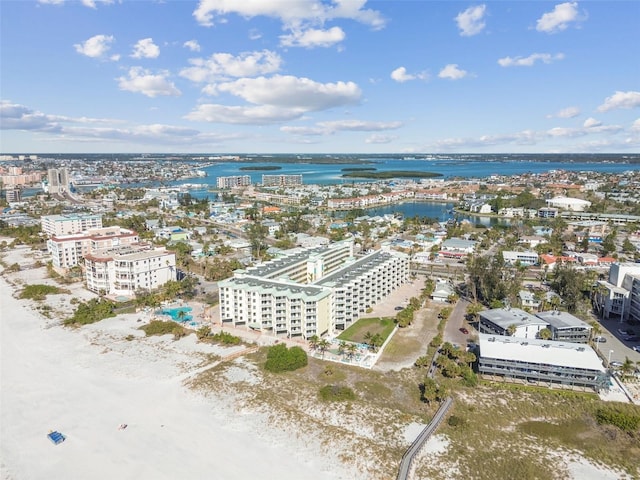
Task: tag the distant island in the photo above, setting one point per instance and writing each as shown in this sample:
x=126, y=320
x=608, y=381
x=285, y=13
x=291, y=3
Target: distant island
x=262, y=167
x=358, y=169
x=391, y=174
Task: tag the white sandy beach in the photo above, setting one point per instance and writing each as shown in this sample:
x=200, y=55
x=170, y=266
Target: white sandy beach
x=85, y=383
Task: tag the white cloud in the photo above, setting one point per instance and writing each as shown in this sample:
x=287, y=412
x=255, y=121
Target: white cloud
x=145, y=48
x=565, y=132
x=358, y=125
x=530, y=60
x=192, y=45
x=96, y=46
x=400, y=75
x=254, y=34
x=253, y=115
x=559, y=18
x=591, y=122
x=306, y=131
x=20, y=117
x=292, y=92
x=333, y=126
x=92, y=3
x=142, y=81
x=619, y=99
x=471, y=21
x=83, y=129
x=452, y=72
x=86, y=3
x=379, y=139
x=290, y=13
x=14, y=116
x=568, y=112
x=312, y=37
x=221, y=66
x=635, y=127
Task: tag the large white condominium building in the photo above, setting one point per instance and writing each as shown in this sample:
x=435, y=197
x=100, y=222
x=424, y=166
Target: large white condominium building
x=281, y=180
x=233, y=181
x=311, y=291
x=68, y=250
x=70, y=223
x=619, y=297
x=125, y=269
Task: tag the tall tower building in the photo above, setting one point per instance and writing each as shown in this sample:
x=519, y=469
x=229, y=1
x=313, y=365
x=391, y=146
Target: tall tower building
x=58, y=180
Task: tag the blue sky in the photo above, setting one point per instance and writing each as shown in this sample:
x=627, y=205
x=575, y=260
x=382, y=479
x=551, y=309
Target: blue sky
x=319, y=76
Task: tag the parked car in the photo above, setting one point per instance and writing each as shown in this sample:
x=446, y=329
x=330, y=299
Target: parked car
x=398, y=308
x=615, y=364
x=636, y=348
x=633, y=338
x=600, y=339
x=464, y=330
x=624, y=332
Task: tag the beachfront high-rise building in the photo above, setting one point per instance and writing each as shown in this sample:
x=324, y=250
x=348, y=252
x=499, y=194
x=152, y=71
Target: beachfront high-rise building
x=233, y=181
x=125, y=269
x=311, y=291
x=58, y=180
x=281, y=180
x=68, y=250
x=70, y=223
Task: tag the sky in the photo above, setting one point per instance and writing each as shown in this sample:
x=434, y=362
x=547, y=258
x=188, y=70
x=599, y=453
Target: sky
x=319, y=76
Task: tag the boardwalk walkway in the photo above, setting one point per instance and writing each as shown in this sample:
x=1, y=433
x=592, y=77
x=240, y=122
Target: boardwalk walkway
x=407, y=458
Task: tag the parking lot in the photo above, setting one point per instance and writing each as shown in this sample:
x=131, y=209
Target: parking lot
x=616, y=348
x=398, y=298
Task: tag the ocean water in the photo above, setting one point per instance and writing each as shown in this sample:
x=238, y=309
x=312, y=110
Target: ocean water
x=449, y=168
x=323, y=174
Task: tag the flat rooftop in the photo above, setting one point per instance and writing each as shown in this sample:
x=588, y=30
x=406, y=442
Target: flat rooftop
x=548, y=352
x=274, y=287
x=355, y=269
x=505, y=317
x=562, y=320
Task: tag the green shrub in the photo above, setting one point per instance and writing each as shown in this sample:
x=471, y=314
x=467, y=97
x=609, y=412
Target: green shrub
x=92, y=311
x=283, y=359
x=336, y=393
x=455, y=421
x=626, y=421
x=39, y=292
x=158, y=327
x=423, y=361
x=226, y=338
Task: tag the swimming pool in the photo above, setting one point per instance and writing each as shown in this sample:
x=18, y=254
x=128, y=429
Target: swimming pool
x=175, y=314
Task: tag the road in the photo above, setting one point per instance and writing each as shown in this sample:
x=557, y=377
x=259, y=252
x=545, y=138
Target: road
x=452, y=333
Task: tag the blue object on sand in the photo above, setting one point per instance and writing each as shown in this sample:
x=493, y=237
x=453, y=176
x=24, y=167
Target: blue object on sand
x=56, y=437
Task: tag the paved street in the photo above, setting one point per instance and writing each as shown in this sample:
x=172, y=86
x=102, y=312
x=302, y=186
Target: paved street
x=456, y=321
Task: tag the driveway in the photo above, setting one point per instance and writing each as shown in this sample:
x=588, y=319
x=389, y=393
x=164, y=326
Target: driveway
x=456, y=321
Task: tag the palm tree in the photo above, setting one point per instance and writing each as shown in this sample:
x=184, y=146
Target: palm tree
x=367, y=338
x=352, y=349
x=511, y=330
x=342, y=347
x=544, y=334
x=323, y=346
x=181, y=315
x=313, y=342
x=627, y=367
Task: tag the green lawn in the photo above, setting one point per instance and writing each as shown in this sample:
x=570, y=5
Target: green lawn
x=357, y=331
